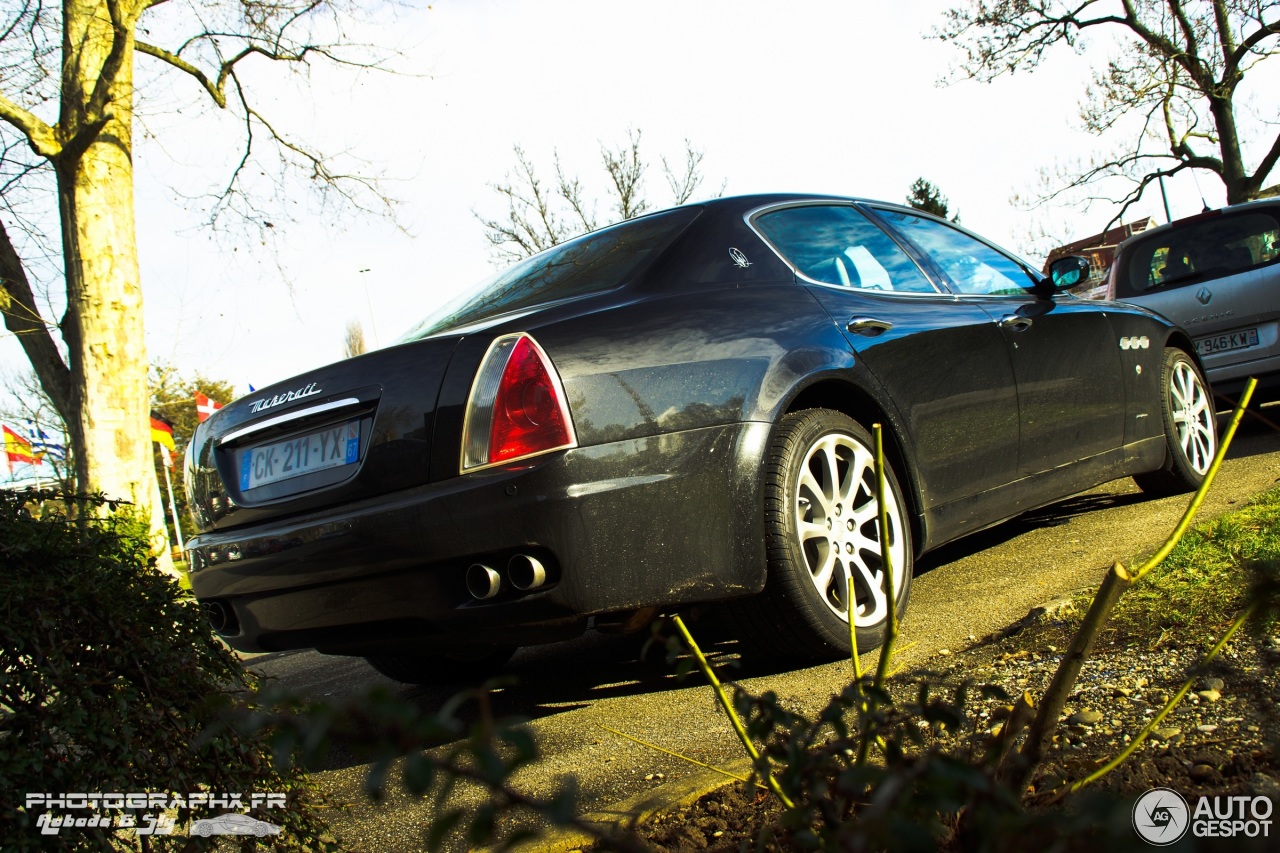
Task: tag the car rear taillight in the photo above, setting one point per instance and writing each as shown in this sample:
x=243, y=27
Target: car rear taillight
x=517, y=406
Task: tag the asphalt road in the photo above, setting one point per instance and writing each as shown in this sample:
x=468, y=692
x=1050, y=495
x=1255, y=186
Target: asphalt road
x=570, y=691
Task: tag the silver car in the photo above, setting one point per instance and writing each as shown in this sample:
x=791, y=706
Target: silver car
x=1216, y=274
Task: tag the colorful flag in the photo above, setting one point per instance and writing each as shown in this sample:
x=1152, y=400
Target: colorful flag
x=43, y=444
x=162, y=432
x=18, y=449
x=205, y=407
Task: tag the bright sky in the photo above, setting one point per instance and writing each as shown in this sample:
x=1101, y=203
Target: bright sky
x=824, y=96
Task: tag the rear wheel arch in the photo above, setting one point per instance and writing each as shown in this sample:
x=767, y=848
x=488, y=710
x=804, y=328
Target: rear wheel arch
x=855, y=402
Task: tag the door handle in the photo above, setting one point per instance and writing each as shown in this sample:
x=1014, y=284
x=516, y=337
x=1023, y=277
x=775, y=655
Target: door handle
x=868, y=326
x=1014, y=323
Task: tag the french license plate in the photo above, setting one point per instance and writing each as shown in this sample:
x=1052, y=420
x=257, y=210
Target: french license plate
x=331, y=447
x=1242, y=339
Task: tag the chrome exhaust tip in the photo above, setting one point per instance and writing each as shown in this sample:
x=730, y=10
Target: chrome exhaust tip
x=526, y=572
x=220, y=617
x=483, y=582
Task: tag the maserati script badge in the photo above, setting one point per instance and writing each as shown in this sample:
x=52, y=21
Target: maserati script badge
x=268, y=402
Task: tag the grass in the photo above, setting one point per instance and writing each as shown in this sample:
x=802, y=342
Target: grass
x=1205, y=582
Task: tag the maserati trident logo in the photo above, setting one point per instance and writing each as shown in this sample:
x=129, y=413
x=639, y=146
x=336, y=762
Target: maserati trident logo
x=268, y=402
x=1204, y=295
x=739, y=260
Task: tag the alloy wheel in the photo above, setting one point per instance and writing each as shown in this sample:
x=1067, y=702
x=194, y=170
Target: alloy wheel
x=835, y=514
x=1192, y=416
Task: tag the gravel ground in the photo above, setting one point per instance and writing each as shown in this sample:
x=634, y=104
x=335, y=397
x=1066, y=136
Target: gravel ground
x=1222, y=739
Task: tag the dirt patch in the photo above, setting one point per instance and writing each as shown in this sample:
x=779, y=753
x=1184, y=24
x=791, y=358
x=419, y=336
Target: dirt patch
x=1221, y=740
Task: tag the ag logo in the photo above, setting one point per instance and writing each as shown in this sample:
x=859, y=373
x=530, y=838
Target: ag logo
x=1161, y=816
x=739, y=259
x=1135, y=342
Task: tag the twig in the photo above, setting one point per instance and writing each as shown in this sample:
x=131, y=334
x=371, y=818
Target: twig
x=1171, y=704
x=733, y=715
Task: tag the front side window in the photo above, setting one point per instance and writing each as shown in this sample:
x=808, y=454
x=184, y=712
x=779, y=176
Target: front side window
x=839, y=246
x=1199, y=251
x=972, y=266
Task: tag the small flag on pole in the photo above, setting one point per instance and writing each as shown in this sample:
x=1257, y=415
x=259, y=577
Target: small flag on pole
x=205, y=406
x=18, y=449
x=162, y=432
x=44, y=445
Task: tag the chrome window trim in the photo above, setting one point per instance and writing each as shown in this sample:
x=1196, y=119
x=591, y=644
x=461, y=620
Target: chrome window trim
x=286, y=418
x=748, y=219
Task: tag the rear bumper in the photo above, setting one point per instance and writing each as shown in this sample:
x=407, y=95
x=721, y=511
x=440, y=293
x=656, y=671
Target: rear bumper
x=657, y=521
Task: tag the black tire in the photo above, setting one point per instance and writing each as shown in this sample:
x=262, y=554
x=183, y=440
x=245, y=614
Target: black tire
x=801, y=614
x=1190, y=428
x=458, y=667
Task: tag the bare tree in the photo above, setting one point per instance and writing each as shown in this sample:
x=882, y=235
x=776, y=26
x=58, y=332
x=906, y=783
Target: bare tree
x=353, y=341
x=1173, y=83
x=541, y=215
x=67, y=114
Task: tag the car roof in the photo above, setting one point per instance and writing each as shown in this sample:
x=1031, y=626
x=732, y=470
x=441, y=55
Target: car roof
x=1203, y=215
x=746, y=203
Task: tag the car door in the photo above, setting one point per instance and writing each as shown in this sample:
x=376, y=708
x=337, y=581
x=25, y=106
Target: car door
x=1066, y=359
x=941, y=360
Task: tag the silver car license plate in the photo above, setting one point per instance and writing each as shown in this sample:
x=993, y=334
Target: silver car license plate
x=304, y=454
x=1242, y=339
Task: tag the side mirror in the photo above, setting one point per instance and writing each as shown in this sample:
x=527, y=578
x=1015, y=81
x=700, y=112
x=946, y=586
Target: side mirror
x=1068, y=272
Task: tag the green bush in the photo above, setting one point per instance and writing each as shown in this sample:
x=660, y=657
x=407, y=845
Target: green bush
x=109, y=679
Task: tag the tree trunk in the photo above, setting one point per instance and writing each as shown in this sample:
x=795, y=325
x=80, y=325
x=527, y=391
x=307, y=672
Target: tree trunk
x=103, y=326
x=1240, y=186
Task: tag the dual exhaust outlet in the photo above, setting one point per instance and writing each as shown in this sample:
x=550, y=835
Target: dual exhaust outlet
x=524, y=572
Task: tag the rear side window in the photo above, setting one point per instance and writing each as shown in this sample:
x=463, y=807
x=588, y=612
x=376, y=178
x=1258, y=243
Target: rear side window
x=1200, y=250
x=593, y=263
x=837, y=245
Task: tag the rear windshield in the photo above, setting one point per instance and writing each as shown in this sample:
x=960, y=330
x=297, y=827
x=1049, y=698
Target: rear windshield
x=592, y=263
x=1201, y=250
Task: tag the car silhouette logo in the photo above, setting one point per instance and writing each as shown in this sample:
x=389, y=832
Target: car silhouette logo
x=1204, y=295
x=233, y=824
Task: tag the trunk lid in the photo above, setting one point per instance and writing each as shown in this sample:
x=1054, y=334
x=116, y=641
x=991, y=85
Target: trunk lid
x=344, y=432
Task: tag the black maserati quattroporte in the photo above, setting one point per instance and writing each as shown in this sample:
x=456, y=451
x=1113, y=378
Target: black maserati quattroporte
x=676, y=411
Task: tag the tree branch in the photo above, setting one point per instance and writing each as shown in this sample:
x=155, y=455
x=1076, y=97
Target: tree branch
x=22, y=317
x=1268, y=162
x=218, y=95
x=42, y=138
x=95, y=109
x=1251, y=41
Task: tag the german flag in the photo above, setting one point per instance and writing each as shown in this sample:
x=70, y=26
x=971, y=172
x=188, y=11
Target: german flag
x=162, y=432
